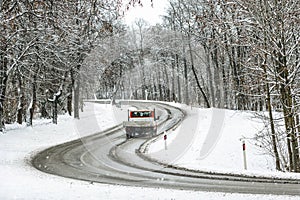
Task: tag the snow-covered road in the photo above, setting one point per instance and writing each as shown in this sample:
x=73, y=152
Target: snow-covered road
x=107, y=157
x=19, y=180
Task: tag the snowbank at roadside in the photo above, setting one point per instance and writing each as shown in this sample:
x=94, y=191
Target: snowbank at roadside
x=216, y=144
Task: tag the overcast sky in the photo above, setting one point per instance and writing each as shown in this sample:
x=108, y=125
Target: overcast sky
x=148, y=13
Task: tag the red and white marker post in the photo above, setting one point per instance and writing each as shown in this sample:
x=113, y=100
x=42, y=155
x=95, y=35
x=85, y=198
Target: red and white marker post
x=244, y=155
x=165, y=139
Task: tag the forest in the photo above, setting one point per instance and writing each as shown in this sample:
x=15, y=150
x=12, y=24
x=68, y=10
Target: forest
x=231, y=54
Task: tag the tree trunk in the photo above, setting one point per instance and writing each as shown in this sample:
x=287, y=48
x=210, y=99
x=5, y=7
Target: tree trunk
x=186, y=82
x=173, y=97
x=196, y=77
x=178, y=78
x=287, y=104
x=44, y=113
x=290, y=128
x=215, y=59
x=54, y=112
x=185, y=71
x=55, y=102
x=273, y=132
x=69, y=99
x=209, y=76
x=160, y=92
x=3, y=82
x=32, y=104
x=76, y=80
x=297, y=125
x=20, y=109
x=166, y=84
x=224, y=84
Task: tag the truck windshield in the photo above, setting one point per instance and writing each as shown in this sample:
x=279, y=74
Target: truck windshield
x=140, y=114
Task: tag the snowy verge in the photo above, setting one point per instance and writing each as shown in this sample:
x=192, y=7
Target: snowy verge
x=215, y=145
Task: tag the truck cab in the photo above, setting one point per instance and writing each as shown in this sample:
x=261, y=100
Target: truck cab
x=140, y=123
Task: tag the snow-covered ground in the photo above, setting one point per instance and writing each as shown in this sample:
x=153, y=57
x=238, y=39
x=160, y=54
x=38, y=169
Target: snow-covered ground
x=216, y=144
x=19, y=180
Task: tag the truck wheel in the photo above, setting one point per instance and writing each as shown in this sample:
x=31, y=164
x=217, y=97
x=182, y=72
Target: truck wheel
x=128, y=136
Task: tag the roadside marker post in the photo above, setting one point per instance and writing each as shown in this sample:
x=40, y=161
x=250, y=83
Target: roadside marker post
x=165, y=139
x=244, y=155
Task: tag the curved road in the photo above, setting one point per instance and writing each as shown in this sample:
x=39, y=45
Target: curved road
x=107, y=157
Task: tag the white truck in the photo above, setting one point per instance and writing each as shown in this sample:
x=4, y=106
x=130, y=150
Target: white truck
x=140, y=123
